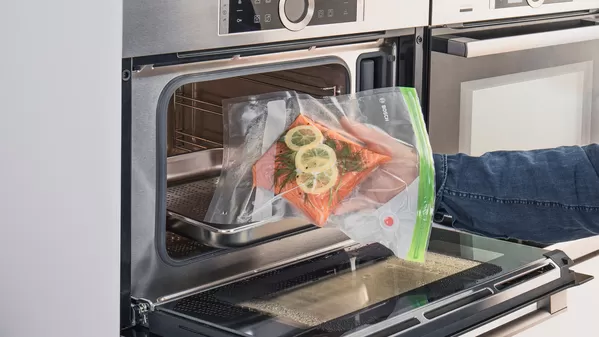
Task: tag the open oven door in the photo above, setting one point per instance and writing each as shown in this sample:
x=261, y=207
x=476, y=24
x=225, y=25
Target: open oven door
x=462, y=289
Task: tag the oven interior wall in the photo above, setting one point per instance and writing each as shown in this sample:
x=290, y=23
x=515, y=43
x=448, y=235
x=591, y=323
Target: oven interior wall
x=195, y=113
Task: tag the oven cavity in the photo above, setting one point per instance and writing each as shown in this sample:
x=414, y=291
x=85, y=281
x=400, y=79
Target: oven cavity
x=195, y=155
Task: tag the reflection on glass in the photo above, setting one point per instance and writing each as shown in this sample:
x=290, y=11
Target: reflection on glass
x=324, y=300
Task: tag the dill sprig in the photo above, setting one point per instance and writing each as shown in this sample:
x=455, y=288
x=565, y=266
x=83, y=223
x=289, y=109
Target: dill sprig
x=284, y=167
x=347, y=161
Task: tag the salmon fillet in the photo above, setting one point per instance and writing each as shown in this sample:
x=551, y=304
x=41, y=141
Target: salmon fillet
x=354, y=162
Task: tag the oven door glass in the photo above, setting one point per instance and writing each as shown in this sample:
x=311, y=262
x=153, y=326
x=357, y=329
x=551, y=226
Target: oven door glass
x=352, y=288
x=515, y=87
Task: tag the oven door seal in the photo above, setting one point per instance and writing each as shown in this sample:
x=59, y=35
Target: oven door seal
x=161, y=109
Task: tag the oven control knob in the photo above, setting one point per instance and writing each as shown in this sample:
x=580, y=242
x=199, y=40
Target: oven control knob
x=535, y=3
x=296, y=14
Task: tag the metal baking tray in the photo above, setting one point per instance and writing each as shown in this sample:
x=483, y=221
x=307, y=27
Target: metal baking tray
x=191, y=181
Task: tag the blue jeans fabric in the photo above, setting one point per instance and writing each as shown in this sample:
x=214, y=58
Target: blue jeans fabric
x=545, y=196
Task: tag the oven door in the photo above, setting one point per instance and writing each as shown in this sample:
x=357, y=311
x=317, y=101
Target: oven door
x=518, y=86
x=365, y=291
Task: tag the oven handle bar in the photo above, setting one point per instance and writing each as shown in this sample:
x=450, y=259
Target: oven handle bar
x=523, y=319
x=528, y=316
x=470, y=48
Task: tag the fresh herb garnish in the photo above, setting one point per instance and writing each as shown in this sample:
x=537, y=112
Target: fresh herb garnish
x=347, y=161
x=331, y=143
x=284, y=166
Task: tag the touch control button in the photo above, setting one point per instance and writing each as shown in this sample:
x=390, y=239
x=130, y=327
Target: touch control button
x=296, y=14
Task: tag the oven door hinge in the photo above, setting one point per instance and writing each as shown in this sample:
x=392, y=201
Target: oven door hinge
x=140, y=310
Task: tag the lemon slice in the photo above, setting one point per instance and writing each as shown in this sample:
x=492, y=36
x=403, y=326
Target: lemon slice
x=316, y=159
x=304, y=136
x=317, y=183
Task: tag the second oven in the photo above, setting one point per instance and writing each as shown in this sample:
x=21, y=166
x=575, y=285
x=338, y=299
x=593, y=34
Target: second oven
x=515, y=84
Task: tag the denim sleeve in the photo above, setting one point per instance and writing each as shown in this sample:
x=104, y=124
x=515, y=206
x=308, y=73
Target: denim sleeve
x=546, y=196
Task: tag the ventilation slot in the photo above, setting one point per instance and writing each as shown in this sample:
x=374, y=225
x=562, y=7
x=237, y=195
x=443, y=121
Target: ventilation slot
x=523, y=278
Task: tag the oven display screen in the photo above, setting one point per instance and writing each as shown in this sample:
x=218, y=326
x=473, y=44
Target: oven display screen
x=239, y=16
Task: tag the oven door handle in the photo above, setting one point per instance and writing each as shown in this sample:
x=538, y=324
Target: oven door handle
x=470, y=48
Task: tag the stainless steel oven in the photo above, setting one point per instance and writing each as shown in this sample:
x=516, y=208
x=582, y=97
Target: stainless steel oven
x=182, y=276
x=513, y=75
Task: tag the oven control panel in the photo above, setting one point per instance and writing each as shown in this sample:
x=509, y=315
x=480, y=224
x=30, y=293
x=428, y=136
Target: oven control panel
x=242, y=16
x=526, y=3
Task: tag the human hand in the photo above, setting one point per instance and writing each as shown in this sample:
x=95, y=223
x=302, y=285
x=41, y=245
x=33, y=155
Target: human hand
x=388, y=180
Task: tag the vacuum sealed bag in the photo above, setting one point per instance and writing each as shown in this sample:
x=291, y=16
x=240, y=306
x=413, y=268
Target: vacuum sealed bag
x=361, y=163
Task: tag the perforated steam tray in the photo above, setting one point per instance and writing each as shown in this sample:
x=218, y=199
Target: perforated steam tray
x=188, y=202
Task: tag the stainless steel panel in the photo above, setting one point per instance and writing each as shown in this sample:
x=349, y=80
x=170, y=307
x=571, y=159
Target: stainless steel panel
x=448, y=72
x=153, y=277
x=193, y=166
x=167, y=26
x=445, y=12
x=469, y=48
x=227, y=236
x=525, y=318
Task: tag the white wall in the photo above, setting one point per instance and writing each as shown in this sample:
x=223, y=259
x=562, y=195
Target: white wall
x=59, y=167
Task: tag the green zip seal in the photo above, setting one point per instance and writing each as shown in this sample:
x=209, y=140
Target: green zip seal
x=426, y=186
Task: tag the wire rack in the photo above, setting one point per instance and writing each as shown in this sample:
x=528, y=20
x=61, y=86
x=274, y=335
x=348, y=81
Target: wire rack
x=196, y=112
x=296, y=81
x=197, y=122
